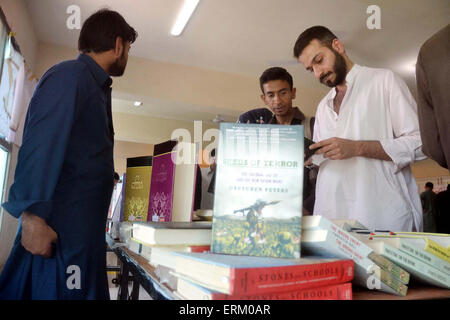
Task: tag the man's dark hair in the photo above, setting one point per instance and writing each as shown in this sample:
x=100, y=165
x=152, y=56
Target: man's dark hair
x=100, y=30
x=256, y=115
x=116, y=176
x=275, y=73
x=213, y=152
x=323, y=34
x=429, y=185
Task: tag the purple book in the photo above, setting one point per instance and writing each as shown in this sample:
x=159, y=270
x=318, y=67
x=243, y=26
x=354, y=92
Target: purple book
x=162, y=183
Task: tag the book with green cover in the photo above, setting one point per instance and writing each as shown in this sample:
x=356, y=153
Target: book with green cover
x=411, y=246
x=137, y=188
x=258, y=190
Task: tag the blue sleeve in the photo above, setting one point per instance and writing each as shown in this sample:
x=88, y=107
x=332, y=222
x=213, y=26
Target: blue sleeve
x=46, y=135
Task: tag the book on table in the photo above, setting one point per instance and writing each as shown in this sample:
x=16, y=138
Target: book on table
x=433, y=243
x=419, y=270
x=137, y=188
x=191, y=291
x=161, y=254
x=172, y=233
x=258, y=190
x=248, y=275
x=321, y=237
x=173, y=182
x=442, y=239
x=412, y=245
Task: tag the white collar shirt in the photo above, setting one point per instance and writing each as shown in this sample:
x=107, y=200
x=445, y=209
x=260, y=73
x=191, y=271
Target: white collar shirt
x=377, y=106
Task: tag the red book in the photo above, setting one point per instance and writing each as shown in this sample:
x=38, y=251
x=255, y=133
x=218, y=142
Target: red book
x=192, y=291
x=247, y=275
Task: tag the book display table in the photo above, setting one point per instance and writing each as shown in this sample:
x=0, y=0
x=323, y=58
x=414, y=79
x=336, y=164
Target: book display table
x=143, y=274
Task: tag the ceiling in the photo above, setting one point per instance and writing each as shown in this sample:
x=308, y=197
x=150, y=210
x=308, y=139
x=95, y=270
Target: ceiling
x=247, y=36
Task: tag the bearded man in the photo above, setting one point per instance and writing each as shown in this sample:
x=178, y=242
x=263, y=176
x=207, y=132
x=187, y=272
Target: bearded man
x=65, y=172
x=367, y=129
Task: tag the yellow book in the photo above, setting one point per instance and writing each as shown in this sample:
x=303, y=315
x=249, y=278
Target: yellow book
x=438, y=250
x=137, y=188
x=424, y=242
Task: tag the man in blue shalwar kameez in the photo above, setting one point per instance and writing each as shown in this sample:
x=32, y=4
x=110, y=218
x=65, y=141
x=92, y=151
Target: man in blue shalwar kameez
x=65, y=172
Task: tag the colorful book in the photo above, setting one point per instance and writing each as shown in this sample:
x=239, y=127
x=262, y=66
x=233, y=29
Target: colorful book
x=137, y=188
x=420, y=270
x=410, y=247
x=173, y=182
x=191, y=291
x=321, y=237
x=258, y=190
x=173, y=233
x=431, y=243
x=247, y=275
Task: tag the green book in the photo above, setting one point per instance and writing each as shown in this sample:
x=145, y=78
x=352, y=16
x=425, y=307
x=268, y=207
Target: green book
x=258, y=190
x=137, y=188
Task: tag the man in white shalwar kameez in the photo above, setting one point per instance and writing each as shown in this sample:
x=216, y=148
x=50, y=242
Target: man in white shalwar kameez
x=367, y=130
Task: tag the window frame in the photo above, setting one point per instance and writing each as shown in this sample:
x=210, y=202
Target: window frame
x=5, y=145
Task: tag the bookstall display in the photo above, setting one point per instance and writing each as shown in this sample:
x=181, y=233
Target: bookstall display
x=255, y=244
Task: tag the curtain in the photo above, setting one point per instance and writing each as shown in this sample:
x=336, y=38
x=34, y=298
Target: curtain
x=12, y=63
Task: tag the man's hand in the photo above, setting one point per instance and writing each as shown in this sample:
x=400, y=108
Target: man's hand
x=37, y=236
x=337, y=148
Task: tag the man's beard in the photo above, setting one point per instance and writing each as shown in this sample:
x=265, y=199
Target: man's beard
x=339, y=69
x=118, y=67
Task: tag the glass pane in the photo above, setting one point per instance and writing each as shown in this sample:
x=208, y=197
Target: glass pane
x=3, y=174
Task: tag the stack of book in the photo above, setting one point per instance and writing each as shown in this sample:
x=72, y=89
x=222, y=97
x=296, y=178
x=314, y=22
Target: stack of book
x=212, y=276
x=425, y=256
x=156, y=240
x=256, y=228
x=322, y=237
x=161, y=187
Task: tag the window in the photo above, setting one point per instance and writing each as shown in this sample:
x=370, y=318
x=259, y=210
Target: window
x=9, y=58
x=4, y=161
